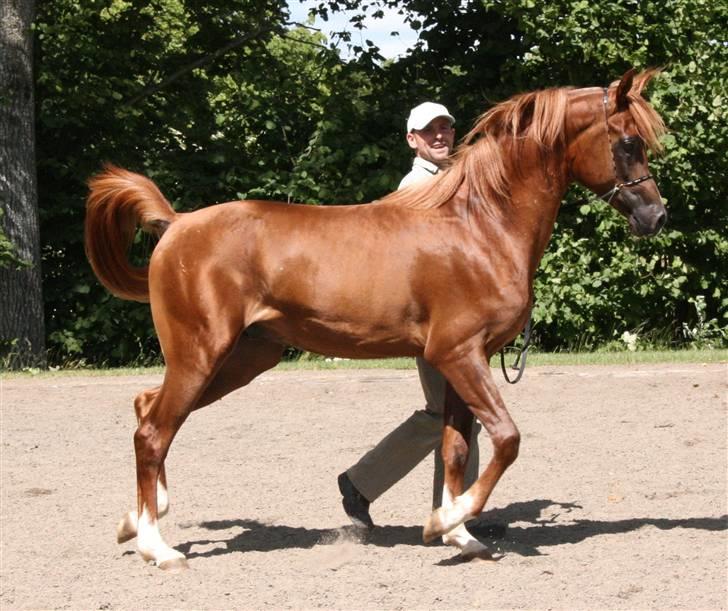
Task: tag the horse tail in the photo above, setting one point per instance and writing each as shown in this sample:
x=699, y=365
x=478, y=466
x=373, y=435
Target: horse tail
x=119, y=201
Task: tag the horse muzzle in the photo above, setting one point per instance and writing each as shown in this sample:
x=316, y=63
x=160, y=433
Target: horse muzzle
x=648, y=219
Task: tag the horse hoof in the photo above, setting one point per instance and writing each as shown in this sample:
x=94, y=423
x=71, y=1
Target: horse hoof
x=433, y=527
x=174, y=565
x=127, y=528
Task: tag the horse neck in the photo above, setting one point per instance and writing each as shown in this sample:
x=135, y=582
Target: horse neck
x=522, y=225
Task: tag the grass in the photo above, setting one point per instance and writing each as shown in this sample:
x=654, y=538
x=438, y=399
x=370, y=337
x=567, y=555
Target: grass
x=534, y=360
x=627, y=358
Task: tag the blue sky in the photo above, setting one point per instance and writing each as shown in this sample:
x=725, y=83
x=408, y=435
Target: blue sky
x=377, y=30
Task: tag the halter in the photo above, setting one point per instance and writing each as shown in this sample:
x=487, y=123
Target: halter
x=618, y=186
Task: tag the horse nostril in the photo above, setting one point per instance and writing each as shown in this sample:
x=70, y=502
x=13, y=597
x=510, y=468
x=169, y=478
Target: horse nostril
x=661, y=220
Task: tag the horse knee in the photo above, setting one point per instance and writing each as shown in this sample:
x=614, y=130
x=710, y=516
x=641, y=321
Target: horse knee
x=506, y=446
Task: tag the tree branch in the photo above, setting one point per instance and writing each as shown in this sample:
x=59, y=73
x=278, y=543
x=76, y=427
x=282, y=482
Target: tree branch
x=304, y=42
x=202, y=61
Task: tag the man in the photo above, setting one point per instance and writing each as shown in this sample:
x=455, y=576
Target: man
x=431, y=135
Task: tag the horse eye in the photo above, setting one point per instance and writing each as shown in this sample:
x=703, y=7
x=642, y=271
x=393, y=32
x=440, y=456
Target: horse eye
x=630, y=145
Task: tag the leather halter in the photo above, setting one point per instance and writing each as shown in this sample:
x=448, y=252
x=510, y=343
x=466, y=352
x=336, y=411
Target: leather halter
x=618, y=186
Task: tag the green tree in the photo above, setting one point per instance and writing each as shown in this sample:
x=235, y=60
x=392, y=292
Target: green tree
x=206, y=125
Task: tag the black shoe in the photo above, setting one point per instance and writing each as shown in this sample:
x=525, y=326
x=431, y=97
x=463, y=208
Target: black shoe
x=485, y=530
x=355, y=505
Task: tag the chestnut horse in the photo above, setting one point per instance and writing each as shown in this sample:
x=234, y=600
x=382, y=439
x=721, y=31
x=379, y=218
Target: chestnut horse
x=442, y=270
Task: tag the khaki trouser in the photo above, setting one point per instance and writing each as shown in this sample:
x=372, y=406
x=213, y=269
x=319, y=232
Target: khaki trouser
x=405, y=447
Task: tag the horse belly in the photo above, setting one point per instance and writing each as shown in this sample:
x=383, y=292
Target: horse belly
x=346, y=338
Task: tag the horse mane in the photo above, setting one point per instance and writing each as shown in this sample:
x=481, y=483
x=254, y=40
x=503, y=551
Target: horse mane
x=479, y=161
x=649, y=124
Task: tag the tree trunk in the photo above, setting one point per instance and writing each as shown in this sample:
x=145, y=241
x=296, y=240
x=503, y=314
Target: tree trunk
x=22, y=329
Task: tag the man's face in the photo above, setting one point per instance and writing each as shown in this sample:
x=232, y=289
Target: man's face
x=435, y=142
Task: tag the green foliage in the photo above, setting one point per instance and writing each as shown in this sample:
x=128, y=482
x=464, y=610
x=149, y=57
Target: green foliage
x=705, y=334
x=221, y=101
x=8, y=252
x=102, y=96
x=645, y=285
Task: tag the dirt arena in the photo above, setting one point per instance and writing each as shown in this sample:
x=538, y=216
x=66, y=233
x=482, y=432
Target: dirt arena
x=618, y=499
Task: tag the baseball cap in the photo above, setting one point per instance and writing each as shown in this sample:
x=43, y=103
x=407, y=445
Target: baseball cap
x=421, y=115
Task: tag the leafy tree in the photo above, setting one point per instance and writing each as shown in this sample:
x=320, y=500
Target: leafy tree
x=252, y=123
x=130, y=83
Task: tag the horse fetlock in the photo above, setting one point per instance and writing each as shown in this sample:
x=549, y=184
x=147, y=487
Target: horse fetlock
x=445, y=519
x=433, y=527
x=152, y=547
x=470, y=548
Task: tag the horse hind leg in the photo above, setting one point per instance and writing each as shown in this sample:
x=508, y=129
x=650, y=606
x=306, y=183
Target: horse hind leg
x=127, y=527
x=248, y=358
x=157, y=428
x=159, y=416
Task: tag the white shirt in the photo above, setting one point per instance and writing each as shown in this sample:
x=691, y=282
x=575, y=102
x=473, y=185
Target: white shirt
x=421, y=170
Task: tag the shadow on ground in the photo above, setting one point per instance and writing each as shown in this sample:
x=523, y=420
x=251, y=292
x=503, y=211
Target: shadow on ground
x=524, y=531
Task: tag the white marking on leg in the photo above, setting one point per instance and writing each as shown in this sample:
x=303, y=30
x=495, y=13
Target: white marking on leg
x=459, y=536
x=162, y=499
x=446, y=497
x=455, y=511
x=150, y=543
x=129, y=524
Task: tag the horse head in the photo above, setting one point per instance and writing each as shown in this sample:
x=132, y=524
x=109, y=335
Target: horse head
x=614, y=128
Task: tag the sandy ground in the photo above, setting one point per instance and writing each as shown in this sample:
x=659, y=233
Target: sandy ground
x=618, y=499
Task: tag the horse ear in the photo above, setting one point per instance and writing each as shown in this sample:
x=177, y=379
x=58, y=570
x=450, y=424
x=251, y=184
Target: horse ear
x=641, y=80
x=625, y=84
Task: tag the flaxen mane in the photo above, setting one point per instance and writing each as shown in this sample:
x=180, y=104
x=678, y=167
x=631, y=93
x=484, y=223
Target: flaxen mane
x=649, y=124
x=538, y=116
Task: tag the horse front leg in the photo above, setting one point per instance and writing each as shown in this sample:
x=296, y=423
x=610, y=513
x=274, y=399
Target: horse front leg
x=472, y=380
x=456, y=435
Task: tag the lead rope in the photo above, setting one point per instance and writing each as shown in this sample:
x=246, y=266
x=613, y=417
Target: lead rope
x=520, y=363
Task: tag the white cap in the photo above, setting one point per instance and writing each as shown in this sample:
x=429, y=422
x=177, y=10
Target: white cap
x=420, y=116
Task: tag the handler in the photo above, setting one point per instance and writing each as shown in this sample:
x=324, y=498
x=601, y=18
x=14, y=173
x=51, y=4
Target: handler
x=431, y=135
